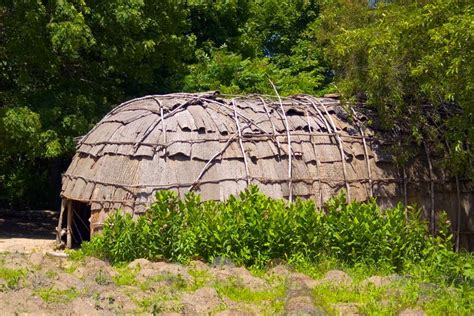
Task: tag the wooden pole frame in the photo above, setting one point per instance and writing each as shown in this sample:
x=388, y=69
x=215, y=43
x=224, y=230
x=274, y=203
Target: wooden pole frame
x=69, y=224
x=60, y=222
x=290, y=152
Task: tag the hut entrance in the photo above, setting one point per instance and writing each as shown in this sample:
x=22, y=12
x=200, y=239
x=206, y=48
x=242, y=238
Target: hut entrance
x=74, y=225
x=80, y=222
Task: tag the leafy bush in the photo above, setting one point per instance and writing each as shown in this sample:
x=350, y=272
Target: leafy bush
x=253, y=229
x=231, y=73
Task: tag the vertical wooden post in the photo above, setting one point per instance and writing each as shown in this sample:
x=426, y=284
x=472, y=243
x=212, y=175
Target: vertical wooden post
x=60, y=222
x=69, y=225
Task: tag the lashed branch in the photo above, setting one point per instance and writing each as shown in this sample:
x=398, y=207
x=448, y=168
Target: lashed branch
x=341, y=150
x=244, y=154
x=288, y=135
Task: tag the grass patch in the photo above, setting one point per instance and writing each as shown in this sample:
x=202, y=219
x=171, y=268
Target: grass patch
x=101, y=278
x=200, y=278
x=172, y=281
x=273, y=297
x=451, y=301
x=50, y=274
x=11, y=277
x=327, y=294
x=242, y=294
x=52, y=295
x=159, y=303
x=76, y=255
x=72, y=266
x=236, y=292
x=125, y=276
x=397, y=296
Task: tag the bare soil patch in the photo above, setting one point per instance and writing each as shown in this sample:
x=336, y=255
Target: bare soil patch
x=27, y=231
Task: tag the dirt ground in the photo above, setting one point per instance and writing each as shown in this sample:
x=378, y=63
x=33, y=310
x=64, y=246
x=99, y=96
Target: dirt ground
x=47, y=284
x=27, y=231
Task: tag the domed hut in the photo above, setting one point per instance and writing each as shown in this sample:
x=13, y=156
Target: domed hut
x=300, y=146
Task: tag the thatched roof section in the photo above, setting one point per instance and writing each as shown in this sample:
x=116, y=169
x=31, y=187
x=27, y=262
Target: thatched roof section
x=217, y=146
x=300, y=147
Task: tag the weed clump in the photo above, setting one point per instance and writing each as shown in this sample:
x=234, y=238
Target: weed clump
x=10, y=278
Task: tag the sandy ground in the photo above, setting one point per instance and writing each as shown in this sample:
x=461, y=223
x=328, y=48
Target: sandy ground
x=26, y=245
x=27, y=231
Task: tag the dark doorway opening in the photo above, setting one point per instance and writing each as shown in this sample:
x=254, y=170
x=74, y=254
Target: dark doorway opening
x=81, y=230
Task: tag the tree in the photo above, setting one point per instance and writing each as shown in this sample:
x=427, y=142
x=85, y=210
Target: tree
x=401, y=56
x=269, y=41
x=63, y=65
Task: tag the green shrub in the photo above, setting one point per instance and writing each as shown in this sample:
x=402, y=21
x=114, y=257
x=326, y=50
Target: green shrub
x=253, y=229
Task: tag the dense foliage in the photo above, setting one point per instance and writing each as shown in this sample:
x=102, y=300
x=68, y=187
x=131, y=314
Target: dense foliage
x=64, y=64
x=412, y=61
x=253, y=229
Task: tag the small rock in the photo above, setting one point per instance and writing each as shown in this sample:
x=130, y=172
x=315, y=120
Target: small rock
x=337, y=277
x=385, y=302
x=428, y=287
x=396, y=277
x=230, y=303
x=140, y=263
x=412, y=312
x=202, y=301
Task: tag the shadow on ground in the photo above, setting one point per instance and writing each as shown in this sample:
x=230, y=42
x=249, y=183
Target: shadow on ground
x=37, y=224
